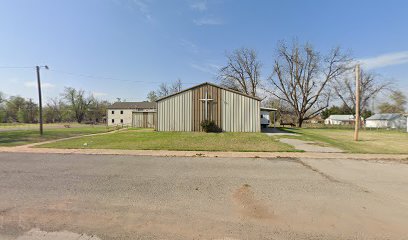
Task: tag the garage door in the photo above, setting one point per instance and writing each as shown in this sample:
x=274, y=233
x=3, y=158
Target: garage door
x=143, y=119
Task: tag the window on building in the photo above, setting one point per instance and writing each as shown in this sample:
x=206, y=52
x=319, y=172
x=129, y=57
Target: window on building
x=261, y=116
x=113, y=112
x=121, y=120
x=113, y=120
x=121, y=112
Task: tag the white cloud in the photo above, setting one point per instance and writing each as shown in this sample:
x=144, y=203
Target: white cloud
x=207, y=68
x=190, y=45
x=143, y=7
x=207, y=21
x=199, y=5
x=99, y=94
x=385, y=60
x=33, y=84
x=140, y=6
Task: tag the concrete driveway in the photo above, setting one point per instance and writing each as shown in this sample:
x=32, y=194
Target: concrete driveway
x=58, y=196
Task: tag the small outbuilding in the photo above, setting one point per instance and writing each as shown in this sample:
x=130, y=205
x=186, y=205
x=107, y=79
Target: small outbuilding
x=339, y=120
x=388, y=120
x=232, y=111
x=134, y=114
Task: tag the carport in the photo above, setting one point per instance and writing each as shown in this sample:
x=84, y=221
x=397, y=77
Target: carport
x=266, y=117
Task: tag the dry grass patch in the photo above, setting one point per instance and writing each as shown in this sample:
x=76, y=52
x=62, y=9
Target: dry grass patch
x=371, y=141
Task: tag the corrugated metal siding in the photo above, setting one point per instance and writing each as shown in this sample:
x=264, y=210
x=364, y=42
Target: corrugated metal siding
x=175, y=113
x=143, y=119
x=231, y=111
x=239, y=113
x=214, y=106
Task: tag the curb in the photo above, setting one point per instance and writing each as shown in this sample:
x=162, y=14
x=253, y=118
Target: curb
x=168, y=153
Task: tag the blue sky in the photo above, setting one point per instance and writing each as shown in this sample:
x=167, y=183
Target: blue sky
x=130, y=46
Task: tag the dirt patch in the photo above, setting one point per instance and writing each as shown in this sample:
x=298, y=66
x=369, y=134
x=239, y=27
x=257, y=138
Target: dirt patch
x=37, y=234
x=249, y=206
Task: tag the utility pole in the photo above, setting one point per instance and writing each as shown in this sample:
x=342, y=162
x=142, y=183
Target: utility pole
x=39, y=96
x=357, y=121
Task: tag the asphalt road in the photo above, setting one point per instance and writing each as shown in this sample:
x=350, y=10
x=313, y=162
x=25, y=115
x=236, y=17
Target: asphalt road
x=124, y=197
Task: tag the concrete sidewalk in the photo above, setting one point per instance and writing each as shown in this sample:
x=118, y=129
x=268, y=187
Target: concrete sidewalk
x=165, y=153
x=309, y=146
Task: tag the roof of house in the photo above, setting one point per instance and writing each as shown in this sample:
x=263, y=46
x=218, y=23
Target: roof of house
x=133, y=105
x=211, y=84
x=384, y=116
x=266, y=109
x=341, y=117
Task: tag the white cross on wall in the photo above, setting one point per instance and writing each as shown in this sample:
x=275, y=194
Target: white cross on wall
x=206, y=100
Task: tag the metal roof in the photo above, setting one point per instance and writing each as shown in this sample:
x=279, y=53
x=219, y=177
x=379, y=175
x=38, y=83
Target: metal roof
x=384, y=116
x=268, y=109
x=211, y=84
x=133, y=105
x=342, y=117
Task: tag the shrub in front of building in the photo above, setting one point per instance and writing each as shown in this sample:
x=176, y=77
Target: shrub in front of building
x=210, y=126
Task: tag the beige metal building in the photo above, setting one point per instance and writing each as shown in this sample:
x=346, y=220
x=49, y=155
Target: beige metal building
x=232, y=111
x=135, y=114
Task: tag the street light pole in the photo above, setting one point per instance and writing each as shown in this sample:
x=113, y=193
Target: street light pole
x=40, y=96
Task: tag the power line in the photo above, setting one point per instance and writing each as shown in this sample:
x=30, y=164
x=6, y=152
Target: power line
x=90, y=76
x=93, y=76
x=108, y=78
x=10, y=67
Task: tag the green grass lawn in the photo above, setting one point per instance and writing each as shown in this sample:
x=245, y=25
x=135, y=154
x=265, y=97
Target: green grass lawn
x=5, y=126
x=21, y=137
x=371, y=141
x=189, y=141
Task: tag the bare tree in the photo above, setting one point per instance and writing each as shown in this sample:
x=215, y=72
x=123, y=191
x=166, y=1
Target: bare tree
x=301, y=75
x=371, y=85
x=166, y=89
x=78, y=102
x=242, y=72
x=176, y=86
x=53, y=111
x=397, y=104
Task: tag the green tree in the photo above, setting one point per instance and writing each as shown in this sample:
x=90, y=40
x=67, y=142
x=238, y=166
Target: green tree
x=21, y=116
x=97, y=110
x=2, y=97
x=31, y=111
x=2, y=108
x=152, y=96
x=13, y=106
x=78, y=103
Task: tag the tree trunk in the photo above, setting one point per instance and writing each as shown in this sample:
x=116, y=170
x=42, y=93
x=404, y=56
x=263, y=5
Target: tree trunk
x=300, y=122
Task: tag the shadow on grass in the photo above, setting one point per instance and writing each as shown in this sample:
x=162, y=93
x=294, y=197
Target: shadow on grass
x=289, y=130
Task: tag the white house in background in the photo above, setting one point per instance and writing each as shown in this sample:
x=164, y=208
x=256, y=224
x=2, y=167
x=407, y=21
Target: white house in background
x=388, y=120
x=135, y=114
x=339, y=120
